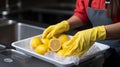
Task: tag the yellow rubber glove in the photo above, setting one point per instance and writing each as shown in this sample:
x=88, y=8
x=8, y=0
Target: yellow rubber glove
x=56, y=29
x=83, y=40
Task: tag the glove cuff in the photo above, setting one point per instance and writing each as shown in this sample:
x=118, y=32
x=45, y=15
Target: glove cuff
x=66, y=25
x=101, y=34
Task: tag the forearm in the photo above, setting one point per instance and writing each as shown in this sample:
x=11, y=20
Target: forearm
x=74, y=22
x=113, y=30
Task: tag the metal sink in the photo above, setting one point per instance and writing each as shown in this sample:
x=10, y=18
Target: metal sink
x=11, y=31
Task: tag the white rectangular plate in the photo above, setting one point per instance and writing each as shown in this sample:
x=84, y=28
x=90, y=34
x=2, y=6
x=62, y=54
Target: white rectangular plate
x=24, y=46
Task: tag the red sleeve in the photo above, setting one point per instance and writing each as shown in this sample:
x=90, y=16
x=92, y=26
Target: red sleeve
x=80, y=11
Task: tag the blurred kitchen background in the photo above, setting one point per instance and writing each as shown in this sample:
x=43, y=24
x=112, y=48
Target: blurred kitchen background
x=39, y=11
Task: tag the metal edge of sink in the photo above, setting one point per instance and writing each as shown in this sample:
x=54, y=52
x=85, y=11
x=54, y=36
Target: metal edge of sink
x=26, y=30
x=13, y=31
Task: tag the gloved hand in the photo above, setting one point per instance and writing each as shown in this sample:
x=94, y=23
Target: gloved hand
x=83, y=40
x=56, y=29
